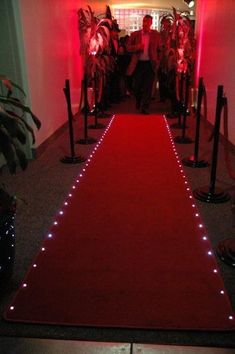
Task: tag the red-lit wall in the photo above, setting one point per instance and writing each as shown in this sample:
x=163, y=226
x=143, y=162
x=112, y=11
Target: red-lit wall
x=216, y=53
x=51, y=46
x=52, y=55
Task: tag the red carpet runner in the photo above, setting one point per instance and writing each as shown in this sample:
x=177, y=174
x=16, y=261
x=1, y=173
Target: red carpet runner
x=129, y=249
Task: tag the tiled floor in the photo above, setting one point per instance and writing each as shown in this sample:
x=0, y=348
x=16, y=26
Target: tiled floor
x=49, y=346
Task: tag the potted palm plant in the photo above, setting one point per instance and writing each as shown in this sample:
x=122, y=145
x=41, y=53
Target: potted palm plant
x=95, y=49
x=13, y=136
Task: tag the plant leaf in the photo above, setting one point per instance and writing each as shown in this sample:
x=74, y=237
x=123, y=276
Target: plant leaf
x=20, y=154
x=7, y=149
x=11, y=124
x=24, y=108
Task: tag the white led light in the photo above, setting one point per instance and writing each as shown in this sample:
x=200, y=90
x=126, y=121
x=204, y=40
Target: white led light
x=55, y=223
x=197, y=215
x=80, y=175
x=65, y=203
x=215, y=270
x=200, y=226
x=61, y=212
x=204, y=238
x=230, y=317
x=34, y=265
x=70, y=195
x=43, y=249
x=12, y=308
x=49, y=235
x=222, y=292
x=24, y=285
x=193, y=205
x=209, y=253
x=74, y=187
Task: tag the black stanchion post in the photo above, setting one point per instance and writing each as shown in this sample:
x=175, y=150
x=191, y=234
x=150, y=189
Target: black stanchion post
x=72, y=159
x=193, y=161
x=183, y=139
x=86, y=140
x=96, y=125
x=211, y=194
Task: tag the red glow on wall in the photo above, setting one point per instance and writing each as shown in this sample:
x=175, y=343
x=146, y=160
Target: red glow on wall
x=199, y=34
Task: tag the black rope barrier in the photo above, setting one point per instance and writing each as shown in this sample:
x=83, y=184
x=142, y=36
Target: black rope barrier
x=193, y=161
x=211, y=194
x=72, y=159
x=96, y=124
x=183, y=139
x=180, y=95
x=225, y=249
x=86, y=139
x=228, y=161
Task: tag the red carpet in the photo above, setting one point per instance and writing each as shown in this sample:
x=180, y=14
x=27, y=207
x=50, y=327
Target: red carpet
x=129, y=248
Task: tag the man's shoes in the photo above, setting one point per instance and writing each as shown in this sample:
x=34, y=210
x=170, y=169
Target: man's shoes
x=144, y=111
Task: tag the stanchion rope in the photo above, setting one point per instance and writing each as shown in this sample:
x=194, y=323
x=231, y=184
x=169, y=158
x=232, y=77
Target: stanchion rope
x=227, y=156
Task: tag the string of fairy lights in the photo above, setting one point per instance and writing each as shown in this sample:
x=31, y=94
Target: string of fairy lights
x=203, y=234
x=55, y=223
x=204, y=237
x=7, y=235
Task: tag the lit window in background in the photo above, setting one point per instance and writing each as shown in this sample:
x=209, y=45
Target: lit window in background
x=130, y=20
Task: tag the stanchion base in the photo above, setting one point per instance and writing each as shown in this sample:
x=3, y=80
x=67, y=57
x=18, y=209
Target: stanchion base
x=205, y=195
x=72, y=160
x=97, y=126
x=86, y=141
x=191, y=162
x=226, y=251
x=183, y=140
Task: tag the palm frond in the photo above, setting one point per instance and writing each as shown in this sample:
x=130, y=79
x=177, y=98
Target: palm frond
x=11, y=124
x=24, y=108
x=108, y=13
x=7, y=149
x=21, y=157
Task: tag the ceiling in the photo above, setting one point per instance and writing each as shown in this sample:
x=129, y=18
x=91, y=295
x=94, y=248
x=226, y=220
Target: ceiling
x=178, y=4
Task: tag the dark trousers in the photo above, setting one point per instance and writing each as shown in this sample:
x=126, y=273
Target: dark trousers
x=143, y=78
x=175, y=104
x=163, y=89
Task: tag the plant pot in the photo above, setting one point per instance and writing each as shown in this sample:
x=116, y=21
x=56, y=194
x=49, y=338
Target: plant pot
x=7, y=247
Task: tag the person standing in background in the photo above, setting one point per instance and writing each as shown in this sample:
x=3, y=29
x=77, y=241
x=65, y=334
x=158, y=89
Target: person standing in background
x=114, y=76
x=144, y=47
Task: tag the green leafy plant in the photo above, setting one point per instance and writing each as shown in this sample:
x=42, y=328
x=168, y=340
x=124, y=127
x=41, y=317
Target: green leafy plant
x=14, y=129
x=14, y=125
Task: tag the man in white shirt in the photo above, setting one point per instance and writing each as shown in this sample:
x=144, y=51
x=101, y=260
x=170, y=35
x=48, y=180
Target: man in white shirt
x=144, y=46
